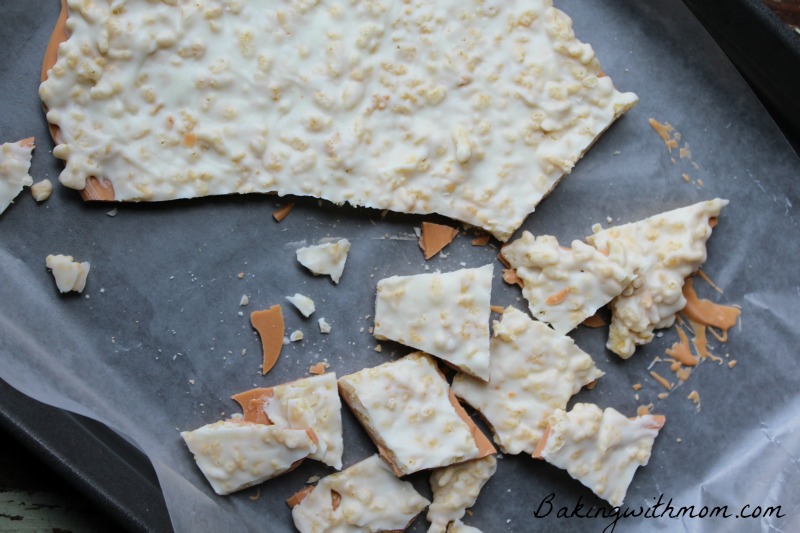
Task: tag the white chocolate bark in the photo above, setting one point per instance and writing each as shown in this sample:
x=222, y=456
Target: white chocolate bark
x=372, y=499
x=69, y=274
x=564, y=287
x=444, y=314
x=669, y=247
x=601, y=449
x=325, y=259
x=471, y=110
x=311, y=402
x=234, y=455
x=456, y=488
x=304, y=304
x=15, y=162
x=405, y=407
x=534, y=372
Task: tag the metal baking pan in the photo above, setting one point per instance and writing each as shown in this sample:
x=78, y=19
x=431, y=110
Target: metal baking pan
x=764, y=49
x=115, y=475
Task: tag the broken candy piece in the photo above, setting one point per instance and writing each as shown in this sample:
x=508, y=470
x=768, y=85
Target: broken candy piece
x=311, y=402
x=601, y=449
x=252, y=404
x=534, y=371
x=15, y=162
x=41, y=190
x=455, y=488
x=668, y=247
x=444, y=314
x=234, y=455
x=317, y=369
x=69, y=275
x=435, y=237
x=283, y=212
x=322, y=397
x=564, y=286
x=481, y=240
x=405, y=407
x=304, y=304
x=269, y=324
x=365, y=497
x=325, y=259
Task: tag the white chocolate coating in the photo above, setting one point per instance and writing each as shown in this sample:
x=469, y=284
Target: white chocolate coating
x=468, y=110
x=15, y=162
x=586, y=278
x=304, y=304
x=534, y=372
x=456, y=488
x=234, y=455
x=324, y=327
x=601, y=449
x=405, y=407
x=372, y=500
x=41, y=190
x=669, y=247
x=325, y=259
x=68, y=273
x=319, y=397
x=444, y=314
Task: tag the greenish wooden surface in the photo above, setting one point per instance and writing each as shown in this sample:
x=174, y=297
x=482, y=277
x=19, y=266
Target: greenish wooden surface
x=35, y=499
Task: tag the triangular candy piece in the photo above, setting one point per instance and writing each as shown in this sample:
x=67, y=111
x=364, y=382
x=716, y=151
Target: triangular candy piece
x=669, y=247
x=565, y=286
x=434, y=237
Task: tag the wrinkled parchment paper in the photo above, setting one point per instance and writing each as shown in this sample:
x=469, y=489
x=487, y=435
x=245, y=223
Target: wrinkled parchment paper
x=155, y=344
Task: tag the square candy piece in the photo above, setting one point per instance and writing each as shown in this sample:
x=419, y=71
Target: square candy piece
x=444, y=314
x=406, y=408
x=534, y=372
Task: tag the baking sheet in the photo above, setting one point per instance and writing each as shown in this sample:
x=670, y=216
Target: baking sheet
x=154, y=345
